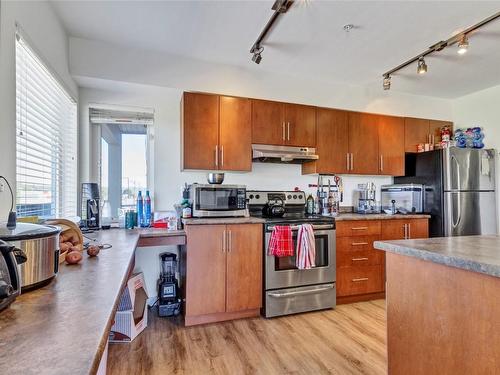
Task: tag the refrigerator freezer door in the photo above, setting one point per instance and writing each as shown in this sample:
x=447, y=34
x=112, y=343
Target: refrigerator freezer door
x=469, y=213
x=468, y=169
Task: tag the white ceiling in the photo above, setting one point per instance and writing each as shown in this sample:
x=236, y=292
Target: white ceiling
x=309, y=40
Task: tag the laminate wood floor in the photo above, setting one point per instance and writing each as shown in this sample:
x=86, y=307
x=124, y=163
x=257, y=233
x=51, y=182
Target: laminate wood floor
x=348, y=340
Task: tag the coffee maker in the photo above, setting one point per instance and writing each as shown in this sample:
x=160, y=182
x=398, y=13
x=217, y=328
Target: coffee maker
x=169, y=303
x=90, y=206
x=364, y=199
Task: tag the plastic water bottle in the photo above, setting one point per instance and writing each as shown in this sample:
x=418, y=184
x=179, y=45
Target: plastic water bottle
x=140, y=209
x=147, y=210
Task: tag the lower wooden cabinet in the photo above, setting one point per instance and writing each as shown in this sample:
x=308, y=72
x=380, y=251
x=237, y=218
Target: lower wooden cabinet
x=223, y=272
x=361, y=267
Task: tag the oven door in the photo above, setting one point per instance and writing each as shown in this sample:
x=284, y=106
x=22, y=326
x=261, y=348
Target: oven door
x=281, y=272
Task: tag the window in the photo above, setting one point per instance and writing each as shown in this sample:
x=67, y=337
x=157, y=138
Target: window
x=46, y=140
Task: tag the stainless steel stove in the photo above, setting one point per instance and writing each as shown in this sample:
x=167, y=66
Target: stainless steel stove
x=288, y=290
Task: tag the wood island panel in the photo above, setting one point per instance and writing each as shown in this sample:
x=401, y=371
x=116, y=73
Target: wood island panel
x=441, y=320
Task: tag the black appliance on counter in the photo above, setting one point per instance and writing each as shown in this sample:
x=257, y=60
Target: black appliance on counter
x=90, y=206
x=287, y=289
x=169, y=302
x=10, y=281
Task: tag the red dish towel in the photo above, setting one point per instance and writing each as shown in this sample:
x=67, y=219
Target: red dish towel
x=281, y=243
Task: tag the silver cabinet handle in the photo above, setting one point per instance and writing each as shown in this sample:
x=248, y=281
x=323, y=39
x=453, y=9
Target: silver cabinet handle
x=298, y=293
x=315, y=227
x=224, y=241
x=405, y=228
x=360, y=279
x=216, y=155
x=359, y=228
x=347, y=158
x=222, y=156
x=288, y=131
x=352, y=161
x=283, y=126
x=359, y=243
x=409, y=231
x=381, y=163
x=229, y=240
x=359, y=259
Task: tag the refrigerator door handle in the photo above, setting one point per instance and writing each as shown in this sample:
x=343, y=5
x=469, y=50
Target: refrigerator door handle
x=457, y=172
x=459, y=211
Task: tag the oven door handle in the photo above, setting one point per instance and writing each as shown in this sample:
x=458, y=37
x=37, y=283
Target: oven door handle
x=300, y=292
x=315, y=227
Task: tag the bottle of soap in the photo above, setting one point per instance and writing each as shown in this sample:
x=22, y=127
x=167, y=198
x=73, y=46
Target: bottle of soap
x=140, y=209
x=310, y=205
x=147, y=210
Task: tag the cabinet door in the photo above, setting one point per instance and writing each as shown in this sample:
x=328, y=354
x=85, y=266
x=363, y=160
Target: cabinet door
x=268, y=126
x=363, y=143
x=416, y=131
x=300, y=121
x=200, y=124
x=244, y=267
x=235, y=134
x=435, y=129
x=418, y=228
x=391, y=146
x=332, y=143
x=205, y=269
x=393, y=230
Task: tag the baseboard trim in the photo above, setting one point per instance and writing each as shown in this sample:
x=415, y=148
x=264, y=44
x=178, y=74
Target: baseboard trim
x=360, y=298
x=220, y=317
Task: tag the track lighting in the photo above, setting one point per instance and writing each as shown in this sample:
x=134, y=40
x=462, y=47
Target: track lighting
x=463, y=45
x=422, y=66
x=387, y=82
x=460, y=39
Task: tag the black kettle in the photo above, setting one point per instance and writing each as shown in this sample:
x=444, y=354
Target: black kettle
x=10, y=283
x=274, y=208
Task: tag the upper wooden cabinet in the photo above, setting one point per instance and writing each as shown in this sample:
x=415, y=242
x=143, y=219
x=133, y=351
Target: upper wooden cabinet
x=418, y=130
x=275, y=123
x=363, y=143
x=391, y=146
x=216, y=132
x=332, y=143
x=268, y=126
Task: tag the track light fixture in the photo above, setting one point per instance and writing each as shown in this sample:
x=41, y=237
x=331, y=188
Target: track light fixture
x=421, y=66
x=387, y=82
x=463, y=45
x=280, y=7
x=460, y=39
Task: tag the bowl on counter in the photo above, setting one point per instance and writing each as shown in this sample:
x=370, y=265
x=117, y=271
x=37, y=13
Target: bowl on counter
x=215, y=178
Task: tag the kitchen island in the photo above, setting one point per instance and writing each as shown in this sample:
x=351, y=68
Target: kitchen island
x=63, y=327
x=443, y=305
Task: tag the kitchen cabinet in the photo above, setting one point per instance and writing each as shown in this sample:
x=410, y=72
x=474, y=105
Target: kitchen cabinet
x=363, y=143
x=391, y=146
x=332, y=143
x=223, y=272
x=360, y=267
x=283, y=124
x=200, y=119
x=419, y=130
x=405, y=229
x=216, y=132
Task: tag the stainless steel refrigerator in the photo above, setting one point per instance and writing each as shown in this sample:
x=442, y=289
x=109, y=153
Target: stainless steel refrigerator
x=459, y=189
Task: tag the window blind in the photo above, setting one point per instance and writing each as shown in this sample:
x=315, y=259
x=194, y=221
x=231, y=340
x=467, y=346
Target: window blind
x=46, y=140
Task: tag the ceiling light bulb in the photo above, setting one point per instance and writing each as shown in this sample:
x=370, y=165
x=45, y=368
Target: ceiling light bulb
x=463, y=44
x=422, y=66
x=387, y=82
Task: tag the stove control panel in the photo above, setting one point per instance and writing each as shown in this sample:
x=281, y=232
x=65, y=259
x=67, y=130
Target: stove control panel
x=290, y=198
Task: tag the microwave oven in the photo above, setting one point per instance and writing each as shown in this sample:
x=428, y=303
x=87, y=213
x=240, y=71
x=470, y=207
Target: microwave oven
x=218, y=200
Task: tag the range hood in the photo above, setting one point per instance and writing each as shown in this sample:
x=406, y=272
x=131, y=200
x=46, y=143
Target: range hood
x=283, y=154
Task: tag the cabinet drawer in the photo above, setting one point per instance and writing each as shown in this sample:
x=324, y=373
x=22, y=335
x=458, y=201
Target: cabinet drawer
x=358, y=228
x=360, y=258
x=359, y=280
x=356, y=243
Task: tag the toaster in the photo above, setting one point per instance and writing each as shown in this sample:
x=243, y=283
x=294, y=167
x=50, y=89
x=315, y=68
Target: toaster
x=408, y=198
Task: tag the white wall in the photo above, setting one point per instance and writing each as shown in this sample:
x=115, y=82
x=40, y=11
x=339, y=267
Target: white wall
x=482, y=108
x=48, y=38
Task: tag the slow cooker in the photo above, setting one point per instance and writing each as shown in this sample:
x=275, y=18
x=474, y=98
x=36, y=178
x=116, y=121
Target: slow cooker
x=40, y=243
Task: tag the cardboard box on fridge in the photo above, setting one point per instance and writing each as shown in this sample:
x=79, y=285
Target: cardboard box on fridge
x=132, y=314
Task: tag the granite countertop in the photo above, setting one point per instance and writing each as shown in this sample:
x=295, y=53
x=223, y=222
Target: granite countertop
x=223, y=220
x=479, y=254
x=354, y=216
x=63, y=327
